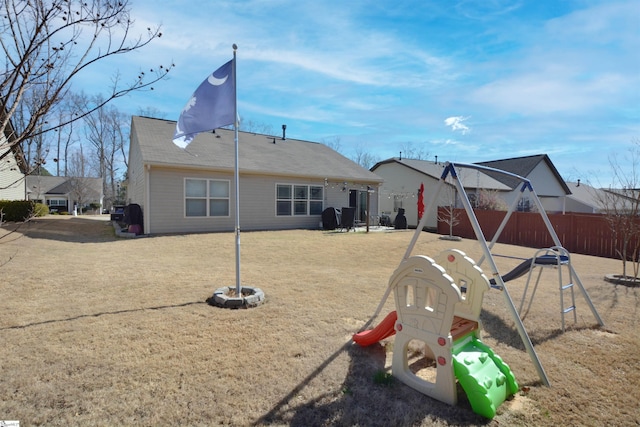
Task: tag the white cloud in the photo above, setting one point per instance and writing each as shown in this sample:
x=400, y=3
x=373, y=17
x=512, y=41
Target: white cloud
x=456, y=124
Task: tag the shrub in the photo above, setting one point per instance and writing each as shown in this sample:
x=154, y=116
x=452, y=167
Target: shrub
x=40, y=209
x=17, y=210
x=490, y=200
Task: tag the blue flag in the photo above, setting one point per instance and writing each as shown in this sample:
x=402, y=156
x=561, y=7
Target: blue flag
x=211, y=106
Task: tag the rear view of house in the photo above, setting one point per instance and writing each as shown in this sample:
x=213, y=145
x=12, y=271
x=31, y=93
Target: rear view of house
x=284, y=183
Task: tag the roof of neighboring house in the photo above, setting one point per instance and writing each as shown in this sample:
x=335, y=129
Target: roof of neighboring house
x=259, y=154
x=585, y=194
x=625, y=199
x=522, y=166
x=468, y=178
x=60, y=185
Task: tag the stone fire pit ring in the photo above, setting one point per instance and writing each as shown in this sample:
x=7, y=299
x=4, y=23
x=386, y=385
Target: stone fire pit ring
x=226, y=297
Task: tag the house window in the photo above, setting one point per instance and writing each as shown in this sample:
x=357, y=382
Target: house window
x=57, y=202
x=316, y=198
x=299, y=200
x=206, y=197
x=524, y=205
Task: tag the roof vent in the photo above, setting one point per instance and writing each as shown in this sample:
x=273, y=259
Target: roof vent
x=284, y=132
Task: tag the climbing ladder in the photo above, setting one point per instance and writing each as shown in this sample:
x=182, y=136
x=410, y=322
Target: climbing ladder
x=556, y=257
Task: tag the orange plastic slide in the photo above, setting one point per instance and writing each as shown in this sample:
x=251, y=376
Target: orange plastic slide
x=384, y=330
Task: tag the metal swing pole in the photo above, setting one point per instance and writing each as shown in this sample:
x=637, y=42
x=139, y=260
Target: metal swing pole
x=524, y=336
x=429, y=207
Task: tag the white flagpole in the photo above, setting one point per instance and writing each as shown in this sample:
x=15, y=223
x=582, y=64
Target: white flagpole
x=237, y=175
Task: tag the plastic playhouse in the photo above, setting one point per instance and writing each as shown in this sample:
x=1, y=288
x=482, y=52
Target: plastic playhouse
x=438, y=302
x=431, y=308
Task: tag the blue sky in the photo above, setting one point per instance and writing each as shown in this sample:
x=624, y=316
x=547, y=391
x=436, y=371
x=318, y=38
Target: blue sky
x=464, y=80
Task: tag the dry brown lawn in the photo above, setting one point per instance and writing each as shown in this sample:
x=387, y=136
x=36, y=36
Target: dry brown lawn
x=100, y=330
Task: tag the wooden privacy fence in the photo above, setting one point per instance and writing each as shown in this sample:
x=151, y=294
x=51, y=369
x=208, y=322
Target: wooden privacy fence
x=587, y=234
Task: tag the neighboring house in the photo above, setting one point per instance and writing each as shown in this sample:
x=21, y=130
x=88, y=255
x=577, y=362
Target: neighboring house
x=623, y=201
x=62, y=193
x=402, y=179
x=603, y=200
x=543, y=175
x=284, y=183
x=13, y=168
x=584, y=198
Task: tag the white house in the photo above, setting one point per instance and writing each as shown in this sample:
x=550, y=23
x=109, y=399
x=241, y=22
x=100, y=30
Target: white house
x=62, y=194
x=13, y=168
x=402, y=179
x=284, y=183
x=543, y=175
x=587, y=199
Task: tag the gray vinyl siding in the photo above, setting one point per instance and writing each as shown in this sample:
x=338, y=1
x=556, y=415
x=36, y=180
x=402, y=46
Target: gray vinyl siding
x=157, y=172
x=257, y=203
x=136, y=182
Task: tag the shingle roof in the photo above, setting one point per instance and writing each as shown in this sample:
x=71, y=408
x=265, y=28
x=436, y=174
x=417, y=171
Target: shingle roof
x=585, y=194
x=60, y=185
x=468, y=178
x=260, y=154
x=522, y=166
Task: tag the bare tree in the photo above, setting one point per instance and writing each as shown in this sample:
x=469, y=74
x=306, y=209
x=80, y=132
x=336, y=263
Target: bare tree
x=48, y=43
x=152, y=112
x=449, y=214
x=78, y=169
x=333, y=143
x=364, y=158
x=249, y=125
x=490, y=200
x=620, y=204
x=409, y=151
x=35, y=149
x=104, y=130
x=63, y=137
x=116, y=154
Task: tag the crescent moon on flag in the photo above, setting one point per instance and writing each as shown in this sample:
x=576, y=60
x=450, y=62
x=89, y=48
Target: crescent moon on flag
x=214, y=81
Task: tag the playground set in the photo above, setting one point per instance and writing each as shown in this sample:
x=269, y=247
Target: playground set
x=439, y=300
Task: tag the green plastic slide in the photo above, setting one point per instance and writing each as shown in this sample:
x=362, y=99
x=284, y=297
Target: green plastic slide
x=485, y=378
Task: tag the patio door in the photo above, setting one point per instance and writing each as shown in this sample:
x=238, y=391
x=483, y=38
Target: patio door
x=358, y=200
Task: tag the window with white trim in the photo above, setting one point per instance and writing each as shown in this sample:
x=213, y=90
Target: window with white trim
x=299, y=200
x=57, y=202
x=206, y=197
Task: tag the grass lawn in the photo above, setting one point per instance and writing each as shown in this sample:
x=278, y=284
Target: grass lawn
x=99, y=330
